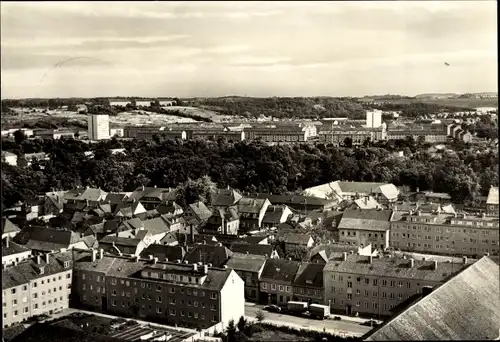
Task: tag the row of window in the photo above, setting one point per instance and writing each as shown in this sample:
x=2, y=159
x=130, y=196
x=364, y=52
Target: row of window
x=375, y=235
x=282, y=288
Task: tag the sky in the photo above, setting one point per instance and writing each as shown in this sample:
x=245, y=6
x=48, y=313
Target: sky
x=208, y=49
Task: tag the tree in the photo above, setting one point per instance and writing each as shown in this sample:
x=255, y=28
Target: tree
x=231, y=331
x=242, y=324
x=260, y=316
x=348, y=142
x=19, y=137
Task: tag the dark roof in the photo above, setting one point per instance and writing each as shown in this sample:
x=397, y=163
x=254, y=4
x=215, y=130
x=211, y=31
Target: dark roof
x=120, y=241
x=169, y=238
x=254, y=239
x=296, y=238
x=201, y=211
x=295, y=199
x=46, y=239
x=28, y=269
x=309, y=275
x=115, y=198
x=226, y=198
x=464, y=308
x=246, y=262
x=273, y=214
x=163, y=252
x=168, y=208
x=9, y=227
x=244, y=248
x=280, y=270
x=393, y=267
x=13, y=248
x=217, y=255
x=250, y=205
x=157, y=225
x=163, y=194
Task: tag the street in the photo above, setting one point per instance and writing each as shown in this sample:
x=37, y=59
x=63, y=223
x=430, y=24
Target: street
x=343, y=327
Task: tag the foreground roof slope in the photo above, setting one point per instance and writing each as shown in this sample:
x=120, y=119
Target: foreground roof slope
x=467, y=307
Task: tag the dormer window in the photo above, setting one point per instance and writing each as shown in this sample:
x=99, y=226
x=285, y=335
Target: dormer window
x=42, y=270
x=66, y=264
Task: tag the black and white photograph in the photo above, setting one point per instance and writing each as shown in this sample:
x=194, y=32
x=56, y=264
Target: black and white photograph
x=249, y=171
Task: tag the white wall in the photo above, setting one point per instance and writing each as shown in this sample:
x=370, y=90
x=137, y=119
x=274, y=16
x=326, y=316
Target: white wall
x=232, y=299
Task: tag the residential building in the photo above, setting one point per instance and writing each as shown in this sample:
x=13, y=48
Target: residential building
x=338, y=135
x=98, y=126
x=432, y=197
x=433, y=133
x=297, y=202
x=363, y=227
x=190, y=295
x=275, y=215
x=197, y=213
x=373, y=118
x=267, y=251
x=171, y=209
x=445, y=233
x=164, y=252
x=9, y=158
x=492, y=202
x=364, y=203
x=308, y=283
x=152, y=197
x=252, y=213
x=9, y=229
x=323, y=253
x=223, y=221
x=41, y=285
x=118, y=245
x=216, y=255
x=276, y=281
x=226, y=198
x=294, y=240
x=383, y=193
x=249, y=268
x=464, y=308
x=277, y=134
x=42, y=239
x=27, y=159
x=375, y=286
x=116, y=132
x=13, y=253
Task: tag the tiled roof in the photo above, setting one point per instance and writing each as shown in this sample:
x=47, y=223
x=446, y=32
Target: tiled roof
x=200, y=209
x=157, y=226
x=441, y=195
x=92, y=194
x=464, y=308
x=492, y=196
x=366, y=219
x=13, y=248
x=163, y=252
x=9, y=227
x=46, y=239
x=254, y=240
x=367, y=203
x=227, y=197
x=243, y=248
x=293, y=199
x=250, y=205
x=216, y=255
x=29, y=270
x=309, y=275
x=119, y=241
x=169, y=238
x=273, y=214
x=246, y=262
x=393, y=267
x=115, y=198
x=280, y=270
x=168, y=208
x=163, y=194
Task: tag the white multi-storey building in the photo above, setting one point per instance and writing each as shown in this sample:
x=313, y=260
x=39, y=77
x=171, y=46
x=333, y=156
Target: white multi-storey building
x=98, y=125
x=374, y=119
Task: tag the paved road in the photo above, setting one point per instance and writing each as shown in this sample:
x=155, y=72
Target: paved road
x=343, y=327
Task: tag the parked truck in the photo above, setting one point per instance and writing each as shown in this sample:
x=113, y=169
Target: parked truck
x=296, y=308
x=319, y=311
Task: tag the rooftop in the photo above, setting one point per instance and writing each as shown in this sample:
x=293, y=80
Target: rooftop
x=246, y=262
x=244, y=248
x=492, y=196
x=464, y=308
x=309, y=275
x=280, y=270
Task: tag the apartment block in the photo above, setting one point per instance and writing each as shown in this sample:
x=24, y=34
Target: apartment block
x=41, y=285
x=98, y=125
x=364, y=227
x=492, y=202
x=190, y=295
x=375, y=286
x=452, y=234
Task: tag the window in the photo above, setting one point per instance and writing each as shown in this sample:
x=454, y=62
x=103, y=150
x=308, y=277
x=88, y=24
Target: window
x=172, y=312
x=172, y=300
x=214, y=319
x=213, y=307
x=158, y=309
x=375, y=294
x=374, y=305
x=349, y=296
x=367, y=281
x=190, y=302
x=83, y=276
x=171, y=290
x=375, y=282
x=158, y=288
x=113, y=302
x=392, y=295
x=15, y=313
x=213, y=295
x=349, y=284
x=281, y=288
x=25, y=288
x=366, y=293
x=13, y=291
x=358, y=303
x=113, y=281
x=183, y=312
x=35, y=295
x=190, y=314
x=392, y=283
x=195, y=304
x=273, y=287
x=159, y=299
x=34, y=284
x=288, y=289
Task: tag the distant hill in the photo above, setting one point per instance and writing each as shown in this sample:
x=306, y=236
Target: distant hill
x=437, y=96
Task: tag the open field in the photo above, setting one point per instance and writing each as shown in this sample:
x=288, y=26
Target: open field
x=141, y=117
x=214, y=116
x=468, y=103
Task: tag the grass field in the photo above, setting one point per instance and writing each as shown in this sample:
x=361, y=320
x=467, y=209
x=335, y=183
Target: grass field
x=206, y=113
x=270, y=336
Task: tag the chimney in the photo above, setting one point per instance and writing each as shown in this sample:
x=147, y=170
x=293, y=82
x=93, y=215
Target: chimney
x=412, y=263
x=7, y=241
x=345, y=256
x=47, y=258
x=155, y=260
x=464, y=259
x=94, y=255
x=434, y=265
x=195, y=267
x=143, y=188
x=205, y=269
x=38, y=259
x=101, y=253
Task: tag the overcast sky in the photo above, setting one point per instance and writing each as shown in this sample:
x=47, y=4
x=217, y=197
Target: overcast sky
x=247, y=48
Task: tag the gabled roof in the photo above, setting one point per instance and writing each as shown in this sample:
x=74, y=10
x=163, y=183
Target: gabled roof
x=9, y=227
x=464, y=308
x=367, y=202
x=120, y=241
x=492, y=196
x=92, y=194
x=274, y=214
x=162, y=194
x=227, y=197
x=296, y=238
x=244, y=248
x=280, y=270
x=115, y=198
x=246, y=262
x=294, y=199
x=309, y=275
x=163, y=252
x=169, y=238
x=250, y=205
x=157, y=226
x=200, y=210
x=217, y=255
x=13, y=248
x=169, y=208
x=46, y=239
x=377, y=220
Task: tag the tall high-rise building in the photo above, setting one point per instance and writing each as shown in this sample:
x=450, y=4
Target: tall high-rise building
x=98, y=125
x=374, y=118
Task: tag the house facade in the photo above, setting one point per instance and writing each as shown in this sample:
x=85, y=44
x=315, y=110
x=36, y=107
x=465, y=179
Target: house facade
x=276, y=281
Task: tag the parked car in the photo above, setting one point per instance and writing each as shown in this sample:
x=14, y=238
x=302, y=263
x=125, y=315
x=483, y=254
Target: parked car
x=370, y=323
x=337, y=318
x=272, y=308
